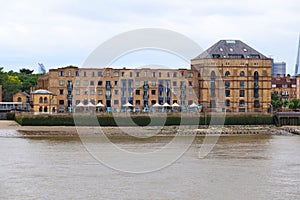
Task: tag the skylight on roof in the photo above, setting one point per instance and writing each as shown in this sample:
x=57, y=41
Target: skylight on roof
x=230, y=41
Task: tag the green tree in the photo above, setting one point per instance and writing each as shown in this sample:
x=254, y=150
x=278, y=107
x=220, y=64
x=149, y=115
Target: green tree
x=11, y=86
x=296, y=102
x=291, y=105
x=285, y=103
x=26, y=71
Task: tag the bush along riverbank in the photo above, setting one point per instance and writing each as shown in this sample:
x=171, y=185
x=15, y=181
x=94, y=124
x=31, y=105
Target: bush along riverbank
x=136, y=120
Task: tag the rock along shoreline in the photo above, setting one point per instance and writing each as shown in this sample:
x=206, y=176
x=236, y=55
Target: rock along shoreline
x=71, y=131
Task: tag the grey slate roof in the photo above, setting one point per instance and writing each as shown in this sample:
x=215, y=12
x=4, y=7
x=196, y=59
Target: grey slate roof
x=41, y=92
x=230, y=49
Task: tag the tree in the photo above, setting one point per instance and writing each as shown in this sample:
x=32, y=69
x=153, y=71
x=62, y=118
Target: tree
x=291, y=105
x=275, y=96
x=26, y=71
x=11, y=86
x=295, y=102
x=285, y=103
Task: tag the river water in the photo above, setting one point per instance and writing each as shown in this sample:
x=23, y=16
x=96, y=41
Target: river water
x=238, y=167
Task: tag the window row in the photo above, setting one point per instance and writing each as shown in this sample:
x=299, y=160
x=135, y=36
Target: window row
x=137, y=74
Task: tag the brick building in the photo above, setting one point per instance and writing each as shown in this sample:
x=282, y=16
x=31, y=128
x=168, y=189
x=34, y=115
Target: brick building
x=236, y=69
x=285, y=86
x=115, y=87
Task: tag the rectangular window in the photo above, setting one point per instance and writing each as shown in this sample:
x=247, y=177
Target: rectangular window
x=107, y=73
x=242, y=103
x=61, y=82
x=153, y=92
x=137, y=102
x=116, y=92
x=85, y=83
x=256, y=104
x=116, y=102
x=153, y=83
x=153, y=102
x=227, y=103
x=61, y=102
x=175, y=74
x=99, y=83
x=130, y=74
x=241, y=109
x=212, y=103
x=168, y=74
x=99, y=74
x=84, y=74
x=116, y=83
x=137, y=83
x=92, y=92
x=242, y=84
x=190, y=83
x=190, y=91
x=182, y=74
x=77, y=91
x=116, y=74
x=100, y=92
x=93, y=74
x=69, y=73
x=190, y=75
x=227, y=84
x=174, y=83
x=145, y=74
x=242, y=93
x=61, y=73
x=227, y=93
x=61, y=91
x=153, y=74
x=77, y=83
x=159, y=74
x=137, y=74
x=77, y=73
x=137, y=92
x=92, y=83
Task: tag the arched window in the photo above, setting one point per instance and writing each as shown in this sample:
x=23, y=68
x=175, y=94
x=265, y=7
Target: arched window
x=242, y=73
x=212, y=84
x=19, y=99
x=40, y=109
x=45, y=100
x=227, y=73
x=45, y=109
x=41, y=100
x=256, y=77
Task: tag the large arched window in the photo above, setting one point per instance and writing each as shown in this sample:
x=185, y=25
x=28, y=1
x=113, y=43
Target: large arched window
x=40, y=109
x=212, y=84
x=256, y=77
x=45, y=109
x=19, y=99
x=45, y=100
x=41, y=100
x=242, y=73
x=227, y=73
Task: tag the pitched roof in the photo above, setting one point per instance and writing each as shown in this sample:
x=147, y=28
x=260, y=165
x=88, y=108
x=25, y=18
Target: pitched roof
x=230, y=49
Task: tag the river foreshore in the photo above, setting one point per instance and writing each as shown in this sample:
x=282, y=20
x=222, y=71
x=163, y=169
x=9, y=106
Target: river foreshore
x=31, y=131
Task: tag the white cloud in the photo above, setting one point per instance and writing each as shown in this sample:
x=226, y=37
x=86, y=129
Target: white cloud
x=65, y=32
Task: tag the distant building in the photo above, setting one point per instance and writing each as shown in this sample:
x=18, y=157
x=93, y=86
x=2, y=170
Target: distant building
x=279, y=68
x=285, y=87
x=297, y=66
x=244, y=74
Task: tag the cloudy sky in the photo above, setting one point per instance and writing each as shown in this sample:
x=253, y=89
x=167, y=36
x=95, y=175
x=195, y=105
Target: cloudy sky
x=63, y=32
